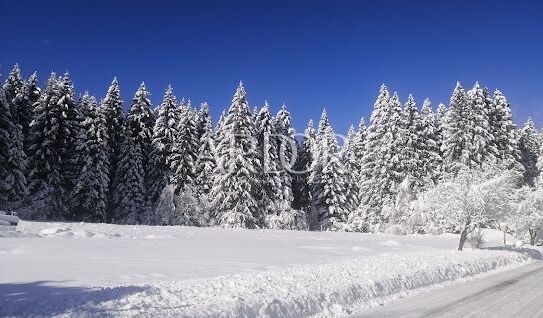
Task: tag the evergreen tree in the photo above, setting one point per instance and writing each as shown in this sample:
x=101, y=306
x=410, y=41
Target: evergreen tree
x=430, y=137
x=440, y=113
x=235, y=173
x=351, y=162
x=13, y=187
x=286, y=148
x=329, y=184
x=268, y=190
x=72, y=132
x=530, y=151
x=14, y=91
x=540, y=164
x=48, y=148
x=373, y=184
x=455, y=135
x=301, y=187
x=31, y=96
x=393, y=167
x=112, y=108
x=141, y=121
x=206, y=161
x=481, y=144
x=413, y=151
x=164, y=134
x=185, y=149
x=89, y=195
x=129, y=191
x=504, y=131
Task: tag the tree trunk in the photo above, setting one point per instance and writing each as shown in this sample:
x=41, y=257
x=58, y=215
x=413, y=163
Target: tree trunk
x=463, y=238
x=533, y=234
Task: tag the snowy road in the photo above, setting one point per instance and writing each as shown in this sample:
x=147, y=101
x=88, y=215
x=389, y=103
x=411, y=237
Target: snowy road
x=517, y=293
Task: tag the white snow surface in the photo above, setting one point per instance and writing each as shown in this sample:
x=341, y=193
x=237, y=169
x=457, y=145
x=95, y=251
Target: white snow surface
x=78, y=269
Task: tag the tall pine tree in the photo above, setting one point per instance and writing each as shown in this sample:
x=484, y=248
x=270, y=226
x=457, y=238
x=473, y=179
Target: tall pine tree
x=301, y=188
x=206, y=161
x=235, y=174
x=13, y=187
x=112, y=108
x=373, y=186
x=530, y=150
x=185, y=150
x=268, y=190
x=140, y=121
x=286, y=148
x=430, y=137
x=89, y=195
x=455, y=135
x=504, y=131
x=129, y=190
x=164, y=134
x=48, y=149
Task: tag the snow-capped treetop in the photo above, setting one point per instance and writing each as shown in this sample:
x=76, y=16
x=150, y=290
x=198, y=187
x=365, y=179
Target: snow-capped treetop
x=141, y=119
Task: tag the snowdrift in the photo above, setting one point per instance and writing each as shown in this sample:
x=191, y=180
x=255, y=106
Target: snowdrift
x=329, y=290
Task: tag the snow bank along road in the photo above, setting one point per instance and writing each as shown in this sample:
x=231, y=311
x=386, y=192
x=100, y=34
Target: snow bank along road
x=89, y=270
x=516, y=293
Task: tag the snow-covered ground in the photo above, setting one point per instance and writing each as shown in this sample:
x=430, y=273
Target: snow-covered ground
x=75, y=269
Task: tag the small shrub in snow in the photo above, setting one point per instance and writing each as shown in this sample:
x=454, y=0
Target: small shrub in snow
x=177, y=209
x=477, y=238
x=287, y=220
x=396, y=229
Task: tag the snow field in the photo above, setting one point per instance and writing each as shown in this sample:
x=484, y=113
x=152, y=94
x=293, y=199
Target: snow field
x=196, y=272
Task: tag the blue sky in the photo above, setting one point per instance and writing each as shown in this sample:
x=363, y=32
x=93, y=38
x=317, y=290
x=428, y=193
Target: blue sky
x=306, y=54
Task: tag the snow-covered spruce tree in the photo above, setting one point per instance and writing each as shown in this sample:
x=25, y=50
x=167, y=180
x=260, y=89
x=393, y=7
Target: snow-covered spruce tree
x=287, y=156
x=89, y=195
x=129, y=190
x=185, y=150
x=429, y=136
x=329, y=184
x=413, y=151
x=112, y=108
x=300, y=186
x=351, y=163
x=470, y=198
x=235, y=174
x=164, y=134
x=72, y=132
x=481, y=143
x=539, y=165
x=13, y=187
x=206, y=161
x=505, y=131
x=392, y=163
x=529, y=146
x=47, y=152
x=440, y=113
x=373, y=187
x=455, y=134
x=269, y=194
x=355, y=222
x=141, y=121
x=14, y=91
x=316, y=168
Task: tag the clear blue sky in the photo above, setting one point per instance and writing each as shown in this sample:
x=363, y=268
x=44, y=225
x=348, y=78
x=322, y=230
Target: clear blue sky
x=306, y=54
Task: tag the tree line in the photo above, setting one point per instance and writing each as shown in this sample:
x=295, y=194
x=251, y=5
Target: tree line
x=75, y=158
